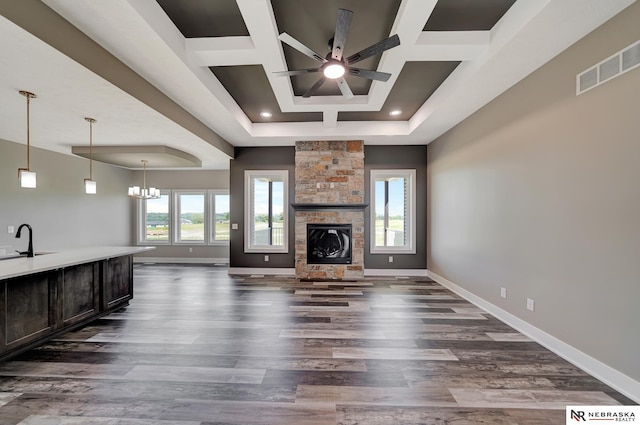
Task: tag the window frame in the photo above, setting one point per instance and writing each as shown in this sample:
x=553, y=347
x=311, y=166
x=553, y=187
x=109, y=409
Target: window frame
x=249, y=176
x=212, y=216
x=410, y=209
x=174, y=219
x=142, y=221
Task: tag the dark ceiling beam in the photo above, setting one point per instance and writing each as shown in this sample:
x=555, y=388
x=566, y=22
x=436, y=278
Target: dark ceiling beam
x=44, y=23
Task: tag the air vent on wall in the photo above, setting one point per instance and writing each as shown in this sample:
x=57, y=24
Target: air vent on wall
x=617, y=64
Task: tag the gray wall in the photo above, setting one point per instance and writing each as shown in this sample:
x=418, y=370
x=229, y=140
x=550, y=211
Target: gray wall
x=398, y=157
x=539, y=192
x=61, y=214
x=271, y=158
x=186, y=179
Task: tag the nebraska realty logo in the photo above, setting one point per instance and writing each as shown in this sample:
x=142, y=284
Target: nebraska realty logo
x=581, y=414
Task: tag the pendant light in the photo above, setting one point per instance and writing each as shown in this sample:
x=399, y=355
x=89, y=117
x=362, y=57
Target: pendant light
x=90, y=184
x=144, y=193
x=26, y=176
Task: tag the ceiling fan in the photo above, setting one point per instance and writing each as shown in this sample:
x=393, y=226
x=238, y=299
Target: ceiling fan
x=334, y=65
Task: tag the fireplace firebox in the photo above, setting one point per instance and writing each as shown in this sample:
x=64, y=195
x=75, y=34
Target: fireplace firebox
x=329, y=243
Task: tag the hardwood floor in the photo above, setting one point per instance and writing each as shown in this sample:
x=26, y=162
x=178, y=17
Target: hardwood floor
x=198, y=347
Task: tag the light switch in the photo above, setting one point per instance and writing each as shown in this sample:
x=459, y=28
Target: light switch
x=10, y=229
x=234, y=226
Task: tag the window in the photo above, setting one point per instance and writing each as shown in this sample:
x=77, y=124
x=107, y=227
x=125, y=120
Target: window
x=190, y=226
x=393, y=211
x=155, y=226
x=189, y=217
x=266, y=211
x=219, y=201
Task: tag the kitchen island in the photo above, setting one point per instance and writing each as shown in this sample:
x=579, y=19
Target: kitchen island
x=49, y=294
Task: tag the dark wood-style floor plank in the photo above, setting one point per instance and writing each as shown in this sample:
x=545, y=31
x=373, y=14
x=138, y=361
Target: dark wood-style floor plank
x=199, y=347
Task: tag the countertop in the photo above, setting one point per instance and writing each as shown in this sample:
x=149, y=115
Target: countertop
x=21, y=266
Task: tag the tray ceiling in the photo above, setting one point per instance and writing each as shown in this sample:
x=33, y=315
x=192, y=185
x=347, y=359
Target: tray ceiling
x=214, y=63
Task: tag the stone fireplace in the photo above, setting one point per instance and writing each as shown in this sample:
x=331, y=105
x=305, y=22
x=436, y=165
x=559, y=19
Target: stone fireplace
x=329, y=197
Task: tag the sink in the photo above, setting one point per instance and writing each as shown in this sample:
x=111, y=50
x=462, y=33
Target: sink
x=9, y=256
x=16, y=255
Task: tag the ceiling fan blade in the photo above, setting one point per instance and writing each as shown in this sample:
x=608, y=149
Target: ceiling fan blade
x=374, y=49
x=314, y=87
x=343, y=22
x=372, y=75
x=286, y=38
x=344, y=88
x=296, y=72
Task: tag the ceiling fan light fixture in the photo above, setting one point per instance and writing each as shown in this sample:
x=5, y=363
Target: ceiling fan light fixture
x=334, y=70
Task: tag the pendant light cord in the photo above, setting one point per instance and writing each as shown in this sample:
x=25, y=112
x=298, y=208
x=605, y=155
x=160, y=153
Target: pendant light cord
x=91, y=150
x=144, y=175
x=28, y=95
x=28, y=136
x=91, y=121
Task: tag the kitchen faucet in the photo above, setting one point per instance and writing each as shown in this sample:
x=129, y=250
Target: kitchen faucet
x=29, y=250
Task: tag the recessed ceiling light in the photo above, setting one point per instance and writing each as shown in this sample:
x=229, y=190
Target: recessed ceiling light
x=265, y=114
x=395, y=112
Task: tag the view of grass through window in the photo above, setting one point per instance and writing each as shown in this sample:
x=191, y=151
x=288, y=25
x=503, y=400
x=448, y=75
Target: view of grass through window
x=157, y=219
x=268, y=212
x=191, y=213
x=390, y=217
x=221, y=217
x=190, y=219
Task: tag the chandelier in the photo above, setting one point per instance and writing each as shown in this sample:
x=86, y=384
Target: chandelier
x=142, y=192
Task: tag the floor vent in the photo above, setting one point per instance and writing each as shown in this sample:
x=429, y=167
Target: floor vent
x=615, y=65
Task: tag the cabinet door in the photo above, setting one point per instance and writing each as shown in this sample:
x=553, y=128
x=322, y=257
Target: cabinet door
x=80, y=293
x=28, y=309
x=118, y=282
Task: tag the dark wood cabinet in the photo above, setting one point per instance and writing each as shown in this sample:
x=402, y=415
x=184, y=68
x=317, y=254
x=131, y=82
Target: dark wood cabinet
x=27, y=309
x=39, y=306
x=79, y=293
x=118, y=281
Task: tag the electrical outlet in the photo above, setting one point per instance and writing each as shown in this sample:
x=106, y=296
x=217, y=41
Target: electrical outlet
x=503, y=292
x=531, y=305
x=234, y=226
x=10, y=229
x=266, y=258
x=190, y=249
x=391, y=258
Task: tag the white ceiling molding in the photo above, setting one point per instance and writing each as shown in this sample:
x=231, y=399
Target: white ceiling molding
x=529, y=34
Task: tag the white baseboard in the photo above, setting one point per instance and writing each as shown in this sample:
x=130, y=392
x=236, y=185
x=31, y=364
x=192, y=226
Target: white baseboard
x=396, y=272
x=279, y=271
x=292, y=271
x=603, y=372
x=181, y=260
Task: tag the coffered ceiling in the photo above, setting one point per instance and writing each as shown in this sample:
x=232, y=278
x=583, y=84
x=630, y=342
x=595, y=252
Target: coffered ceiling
x=210, y=68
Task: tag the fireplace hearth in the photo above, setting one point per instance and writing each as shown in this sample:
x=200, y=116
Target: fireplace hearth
x=329, y=243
